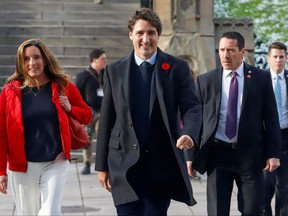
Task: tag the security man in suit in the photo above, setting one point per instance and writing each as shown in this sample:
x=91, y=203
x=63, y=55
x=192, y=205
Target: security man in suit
x=240, y=130
x=277, y=181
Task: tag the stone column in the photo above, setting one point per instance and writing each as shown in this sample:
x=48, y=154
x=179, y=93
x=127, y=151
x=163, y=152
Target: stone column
x=188, y=31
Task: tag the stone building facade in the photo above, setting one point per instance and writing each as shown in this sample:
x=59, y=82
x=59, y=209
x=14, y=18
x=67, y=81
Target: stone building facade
x=191, y=32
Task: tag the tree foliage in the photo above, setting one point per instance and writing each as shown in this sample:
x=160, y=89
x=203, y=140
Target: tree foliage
x=270, y=18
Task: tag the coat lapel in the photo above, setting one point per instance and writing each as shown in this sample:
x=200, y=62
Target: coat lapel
x=124, y=71
x=248, y=78
x=218, y=88
x=159, y=79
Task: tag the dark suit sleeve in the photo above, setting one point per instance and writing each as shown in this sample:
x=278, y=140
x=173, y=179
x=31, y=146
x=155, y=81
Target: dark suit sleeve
x=189, y=105
x=106, y=122
x=190, y=154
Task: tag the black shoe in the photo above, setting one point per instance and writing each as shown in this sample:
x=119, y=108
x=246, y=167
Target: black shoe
x=86, y=169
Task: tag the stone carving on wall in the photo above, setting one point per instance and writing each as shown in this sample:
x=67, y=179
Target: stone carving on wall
x=188, y=31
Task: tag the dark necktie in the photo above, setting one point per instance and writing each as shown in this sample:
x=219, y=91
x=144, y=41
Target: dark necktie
x=145, y=70
x=231, y=119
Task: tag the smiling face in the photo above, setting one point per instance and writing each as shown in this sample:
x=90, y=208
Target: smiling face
x=277, y=59
x=34, y=63
x=230, y=55
x=145, y=39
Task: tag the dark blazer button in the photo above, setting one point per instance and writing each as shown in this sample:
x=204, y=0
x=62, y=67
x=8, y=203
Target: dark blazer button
x=130, y=124
x=135, y=146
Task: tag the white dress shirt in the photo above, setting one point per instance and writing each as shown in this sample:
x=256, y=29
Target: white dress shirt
x=226, y=79
x=284, y=107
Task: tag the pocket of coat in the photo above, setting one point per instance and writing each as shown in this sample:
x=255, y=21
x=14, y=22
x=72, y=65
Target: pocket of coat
x=114, y=141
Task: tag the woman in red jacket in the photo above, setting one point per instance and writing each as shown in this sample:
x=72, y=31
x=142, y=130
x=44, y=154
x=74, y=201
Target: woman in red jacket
x=35, y=138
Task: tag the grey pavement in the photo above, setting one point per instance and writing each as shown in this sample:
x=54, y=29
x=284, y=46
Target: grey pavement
x=83, y=196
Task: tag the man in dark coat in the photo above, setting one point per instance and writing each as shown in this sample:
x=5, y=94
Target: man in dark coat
x=139, y=150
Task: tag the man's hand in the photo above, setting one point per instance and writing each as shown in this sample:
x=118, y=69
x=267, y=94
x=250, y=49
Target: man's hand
x=105, y=180
x=185, y=142
x=191, y=171
x=272, y=164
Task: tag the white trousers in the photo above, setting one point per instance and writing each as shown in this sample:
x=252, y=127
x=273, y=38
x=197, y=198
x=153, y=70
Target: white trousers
x=39, y=191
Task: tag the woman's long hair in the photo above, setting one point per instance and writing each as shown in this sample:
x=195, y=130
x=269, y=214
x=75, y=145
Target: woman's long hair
x=52, y=68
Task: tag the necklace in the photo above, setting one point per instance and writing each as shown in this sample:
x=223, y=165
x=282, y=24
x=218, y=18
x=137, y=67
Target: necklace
x=35, y=91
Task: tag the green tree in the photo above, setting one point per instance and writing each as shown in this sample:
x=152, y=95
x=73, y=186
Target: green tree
x=270, y=18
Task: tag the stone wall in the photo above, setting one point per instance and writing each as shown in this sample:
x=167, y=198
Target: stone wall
x=191, y=32
x=244, y=26
x=188, y=31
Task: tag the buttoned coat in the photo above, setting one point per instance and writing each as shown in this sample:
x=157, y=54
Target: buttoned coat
x=117, y=145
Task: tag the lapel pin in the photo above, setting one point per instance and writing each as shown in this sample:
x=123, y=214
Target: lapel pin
x=165, y=66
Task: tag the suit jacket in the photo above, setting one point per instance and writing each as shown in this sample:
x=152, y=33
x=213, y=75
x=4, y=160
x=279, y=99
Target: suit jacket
x=258, y=131
x=117, y=145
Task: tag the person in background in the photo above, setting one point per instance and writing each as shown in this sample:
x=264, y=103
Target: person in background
x=240, y=130
x=34, y=104
x=140, y=156
x=98, y=1
x=90, y=84
x=277, y=182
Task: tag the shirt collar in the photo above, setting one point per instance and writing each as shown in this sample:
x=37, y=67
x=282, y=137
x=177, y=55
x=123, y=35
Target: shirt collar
x=239, y=70
x=273, y=74
x=151, y=60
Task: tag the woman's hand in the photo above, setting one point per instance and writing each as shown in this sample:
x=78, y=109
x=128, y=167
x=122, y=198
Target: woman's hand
x=65, y=103
x=3, y=184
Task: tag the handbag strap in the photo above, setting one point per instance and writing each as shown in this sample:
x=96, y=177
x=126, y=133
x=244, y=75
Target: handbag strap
x=92, y=74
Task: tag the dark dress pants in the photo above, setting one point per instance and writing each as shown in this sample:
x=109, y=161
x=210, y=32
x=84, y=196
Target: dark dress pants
x=277, y=183
x=222, y=172
x=153, y=185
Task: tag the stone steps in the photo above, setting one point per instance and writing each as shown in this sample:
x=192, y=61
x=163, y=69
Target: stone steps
x=63, y=59
x=64, y=30
x=70, y=28
x=70, y=40
x=69, y=6
x=63, y=15
x=21, y=22
x=113, y=52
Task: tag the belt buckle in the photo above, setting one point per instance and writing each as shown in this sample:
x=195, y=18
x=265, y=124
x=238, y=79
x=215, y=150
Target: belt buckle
x=234, y=145
x=216, y=142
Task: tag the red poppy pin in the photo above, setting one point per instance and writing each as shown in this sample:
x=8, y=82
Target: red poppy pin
x=165, y=66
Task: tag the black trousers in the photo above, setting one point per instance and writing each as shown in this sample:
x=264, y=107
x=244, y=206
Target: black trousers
x=153, y=185
x=154, y=201
x=223, y=171
x=276, y=183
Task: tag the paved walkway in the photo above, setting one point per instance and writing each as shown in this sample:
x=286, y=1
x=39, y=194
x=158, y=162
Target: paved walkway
x=84, y=196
